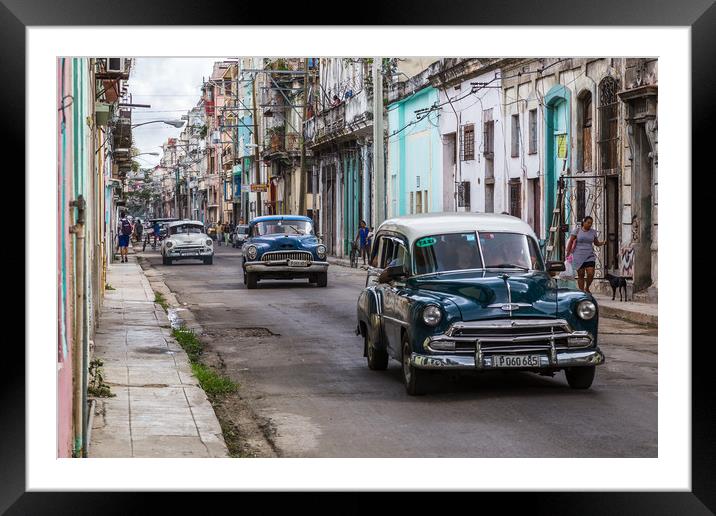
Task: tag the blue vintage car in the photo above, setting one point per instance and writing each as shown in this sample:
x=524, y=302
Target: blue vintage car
x=470, y=292
x=283, y=247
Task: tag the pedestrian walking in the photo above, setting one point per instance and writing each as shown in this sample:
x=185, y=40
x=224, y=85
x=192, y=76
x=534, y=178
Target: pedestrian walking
x=124, y=230
x=219, y=234
x=157, y=233
x=362, y=238
x=227, y=233
x=138, y=229
x=581, y=242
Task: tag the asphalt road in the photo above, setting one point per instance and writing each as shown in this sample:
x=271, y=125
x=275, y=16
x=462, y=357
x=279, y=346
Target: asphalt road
x=292, y=347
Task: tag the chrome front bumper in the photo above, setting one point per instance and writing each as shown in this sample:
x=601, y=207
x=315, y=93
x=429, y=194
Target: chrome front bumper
x=189, y=253
x=560, y=359
x=282, y=266
x=562, y=347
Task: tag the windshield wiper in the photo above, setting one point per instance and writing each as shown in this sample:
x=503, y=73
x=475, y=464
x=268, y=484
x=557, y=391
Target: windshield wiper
x=508, y=266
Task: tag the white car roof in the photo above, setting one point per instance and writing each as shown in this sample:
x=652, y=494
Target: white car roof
x=184, y=222
x=425, y=224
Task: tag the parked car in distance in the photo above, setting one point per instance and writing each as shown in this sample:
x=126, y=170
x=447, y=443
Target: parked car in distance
x=240, y=234
x=470, y=292
x=186, y=240
x=283, y=247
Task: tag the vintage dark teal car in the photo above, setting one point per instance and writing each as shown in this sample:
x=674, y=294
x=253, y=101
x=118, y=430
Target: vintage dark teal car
x=470, y=292
x=283, y=247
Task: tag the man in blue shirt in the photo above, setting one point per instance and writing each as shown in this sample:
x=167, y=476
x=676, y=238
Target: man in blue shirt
x=157, y=229
x=362, y=236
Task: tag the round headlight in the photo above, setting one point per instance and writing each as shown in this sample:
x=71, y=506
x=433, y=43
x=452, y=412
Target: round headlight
x=586, y=309
x=169, y=244
x=251, y=252
x=432, y=315
x=209, y=242
x=321, y=251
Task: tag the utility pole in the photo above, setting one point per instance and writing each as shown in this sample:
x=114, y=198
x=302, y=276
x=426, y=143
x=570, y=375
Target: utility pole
x=378, y=144
x=256, y=149
x=236, y=140
x=176, y=191
x=302, y=178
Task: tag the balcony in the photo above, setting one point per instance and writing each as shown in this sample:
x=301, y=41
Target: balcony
x=349, y=118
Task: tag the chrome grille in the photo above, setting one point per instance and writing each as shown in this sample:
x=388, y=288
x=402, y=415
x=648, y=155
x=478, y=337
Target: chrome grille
x=509, y=328
x=187, y=247
x=510, y=335
x=286, y=255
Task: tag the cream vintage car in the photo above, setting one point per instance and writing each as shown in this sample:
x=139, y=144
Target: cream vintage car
x=186, y=240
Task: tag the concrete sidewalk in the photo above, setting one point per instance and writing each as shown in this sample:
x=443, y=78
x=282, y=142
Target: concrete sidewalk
x=159, y=409
x=640, y=313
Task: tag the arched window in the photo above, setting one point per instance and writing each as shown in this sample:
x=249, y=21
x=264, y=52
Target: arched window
x=608, y=124
x=585, y=102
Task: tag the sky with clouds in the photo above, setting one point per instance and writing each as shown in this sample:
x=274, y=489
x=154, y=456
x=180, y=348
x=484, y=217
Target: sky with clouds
x=172, y=87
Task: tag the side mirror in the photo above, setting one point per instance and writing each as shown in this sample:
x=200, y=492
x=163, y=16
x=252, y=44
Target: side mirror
x=555, y=266
x=393, y=273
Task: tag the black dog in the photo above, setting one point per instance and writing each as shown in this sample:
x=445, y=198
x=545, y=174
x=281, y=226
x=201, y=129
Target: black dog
x=617, y=282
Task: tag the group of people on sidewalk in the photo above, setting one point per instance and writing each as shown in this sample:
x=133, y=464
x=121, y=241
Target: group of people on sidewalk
x=224, y=232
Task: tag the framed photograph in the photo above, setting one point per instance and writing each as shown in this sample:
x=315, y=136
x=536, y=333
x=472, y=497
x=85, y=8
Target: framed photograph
x=414, y=251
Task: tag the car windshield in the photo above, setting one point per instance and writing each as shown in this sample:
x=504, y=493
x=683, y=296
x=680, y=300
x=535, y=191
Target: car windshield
x=448, y=252
x=286, y=227
x=186, y=228
x=510, y=251
x=242, y=229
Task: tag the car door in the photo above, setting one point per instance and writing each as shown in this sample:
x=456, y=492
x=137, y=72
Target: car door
x=392, y=293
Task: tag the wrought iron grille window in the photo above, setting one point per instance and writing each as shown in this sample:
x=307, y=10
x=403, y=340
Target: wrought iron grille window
x=581, y=200
x=608, y=125
x=516, y=198
x=463, y=195
x=586, y=131
x=467, y=143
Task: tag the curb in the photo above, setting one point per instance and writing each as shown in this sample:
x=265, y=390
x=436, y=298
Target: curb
x=629, y=315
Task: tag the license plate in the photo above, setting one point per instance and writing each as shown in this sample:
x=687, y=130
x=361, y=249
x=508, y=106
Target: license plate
x=515, y=360
x=189, y=253
x=298, y=263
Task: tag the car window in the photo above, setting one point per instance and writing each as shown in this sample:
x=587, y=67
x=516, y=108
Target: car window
x=446, y=252
x=505, y=250
x=287, y=227
x=186, y=229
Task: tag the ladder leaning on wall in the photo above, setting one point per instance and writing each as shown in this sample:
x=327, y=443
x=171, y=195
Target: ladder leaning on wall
x=553, y=247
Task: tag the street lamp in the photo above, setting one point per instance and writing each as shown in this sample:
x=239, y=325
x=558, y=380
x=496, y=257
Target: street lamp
x=175, y=123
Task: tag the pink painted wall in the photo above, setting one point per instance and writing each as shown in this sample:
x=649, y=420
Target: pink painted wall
x=65, y=290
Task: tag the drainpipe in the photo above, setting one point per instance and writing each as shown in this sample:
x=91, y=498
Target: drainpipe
x=78, y=348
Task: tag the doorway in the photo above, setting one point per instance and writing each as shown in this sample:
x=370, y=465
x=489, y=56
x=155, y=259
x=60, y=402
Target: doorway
x=556, y=148
x=449, y=172
x=641, y=215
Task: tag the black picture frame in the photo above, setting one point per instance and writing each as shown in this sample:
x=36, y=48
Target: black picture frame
x=700, y=15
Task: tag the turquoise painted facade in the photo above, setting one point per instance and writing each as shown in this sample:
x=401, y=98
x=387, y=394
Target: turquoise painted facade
x=414, y=155
x=557, y=125
x=352, y=184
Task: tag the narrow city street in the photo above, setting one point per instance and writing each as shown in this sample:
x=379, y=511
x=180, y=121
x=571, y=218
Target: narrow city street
x=292, y=348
